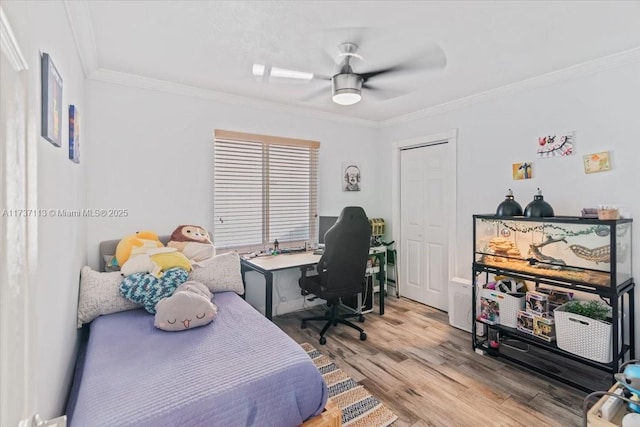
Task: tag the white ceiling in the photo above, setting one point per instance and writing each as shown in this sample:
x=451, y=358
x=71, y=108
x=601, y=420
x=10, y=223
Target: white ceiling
x=212, y=45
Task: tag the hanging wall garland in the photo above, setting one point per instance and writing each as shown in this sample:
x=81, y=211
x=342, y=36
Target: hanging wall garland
x=599, y=230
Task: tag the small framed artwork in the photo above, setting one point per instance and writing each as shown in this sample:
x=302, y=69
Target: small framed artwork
x=522, y=170
x=597, y=162
x=51, y=101
x=557, y=145
x=351, y=178
x=74, y=134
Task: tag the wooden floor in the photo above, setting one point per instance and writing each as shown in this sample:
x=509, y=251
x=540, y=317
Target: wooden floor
x=424, y=370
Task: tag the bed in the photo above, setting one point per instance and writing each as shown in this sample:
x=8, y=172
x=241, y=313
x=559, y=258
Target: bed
x=239, y=370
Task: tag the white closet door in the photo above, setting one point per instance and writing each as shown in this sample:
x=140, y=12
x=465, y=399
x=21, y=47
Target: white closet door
x=424, y=172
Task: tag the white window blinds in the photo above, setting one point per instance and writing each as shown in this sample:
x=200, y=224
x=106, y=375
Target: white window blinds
x=265, y=188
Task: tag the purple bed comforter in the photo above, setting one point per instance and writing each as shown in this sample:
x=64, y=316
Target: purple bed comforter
x=240, y=370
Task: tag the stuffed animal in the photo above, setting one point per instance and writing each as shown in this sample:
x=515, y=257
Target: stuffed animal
x=144, y=253
x=155, y=262
x=134, y=244
x=193, y=241
x=190, y=306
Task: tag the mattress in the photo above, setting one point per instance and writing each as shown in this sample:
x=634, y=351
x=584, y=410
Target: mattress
x=239, y=370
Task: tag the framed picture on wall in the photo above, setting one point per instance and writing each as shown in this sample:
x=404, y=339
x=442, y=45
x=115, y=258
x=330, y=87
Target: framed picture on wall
x=51, y=101
x=351, y=179
x=597, y=162
x=74, y=134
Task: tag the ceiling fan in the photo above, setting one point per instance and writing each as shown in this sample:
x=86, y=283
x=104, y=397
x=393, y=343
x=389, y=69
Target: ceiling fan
x=346, y=83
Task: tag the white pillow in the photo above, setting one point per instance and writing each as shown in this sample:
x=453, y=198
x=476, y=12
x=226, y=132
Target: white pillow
x=220, y=273
x=100, y=294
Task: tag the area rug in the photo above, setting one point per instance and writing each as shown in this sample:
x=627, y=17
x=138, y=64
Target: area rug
x=359, y=407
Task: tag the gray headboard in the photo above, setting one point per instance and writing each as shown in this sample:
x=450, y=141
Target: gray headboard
x=108, y=247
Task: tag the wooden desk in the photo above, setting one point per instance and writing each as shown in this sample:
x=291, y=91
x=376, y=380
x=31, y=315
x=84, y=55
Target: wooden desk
x=266, y=265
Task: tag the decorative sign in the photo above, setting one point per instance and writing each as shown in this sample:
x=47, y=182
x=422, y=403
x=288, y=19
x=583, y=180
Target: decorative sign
x=522, y=170
x=555, y=145
x=351, y=176
x=51, y=102
x=597, y=162
x=74, y=134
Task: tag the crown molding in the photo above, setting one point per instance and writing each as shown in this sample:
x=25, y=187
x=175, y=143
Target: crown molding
x=575, y=71
x=133, y=80
x=80, y=22
x=79, y=18
x=9, y=44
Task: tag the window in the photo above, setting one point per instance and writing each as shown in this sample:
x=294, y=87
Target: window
x=264, y=188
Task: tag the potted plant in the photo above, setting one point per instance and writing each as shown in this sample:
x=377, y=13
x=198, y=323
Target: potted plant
x=584, y=328
x=592, y=309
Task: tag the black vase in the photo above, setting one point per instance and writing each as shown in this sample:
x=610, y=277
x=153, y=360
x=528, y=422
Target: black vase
x=509, y=207
x=538, y=208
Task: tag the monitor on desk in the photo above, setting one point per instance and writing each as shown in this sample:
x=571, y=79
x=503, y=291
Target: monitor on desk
x=325, y=223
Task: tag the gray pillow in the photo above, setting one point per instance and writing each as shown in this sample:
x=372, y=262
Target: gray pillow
x=100, y=294
x=220, y=273
x=190, y=306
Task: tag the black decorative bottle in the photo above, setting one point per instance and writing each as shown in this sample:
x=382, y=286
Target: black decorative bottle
x=509, y=207
x=538, y=208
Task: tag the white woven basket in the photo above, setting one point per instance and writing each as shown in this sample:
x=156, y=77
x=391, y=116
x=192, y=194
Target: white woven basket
x=583, y=336
x=508, y=305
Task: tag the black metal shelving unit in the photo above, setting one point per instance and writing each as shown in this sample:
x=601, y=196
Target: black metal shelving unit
x=620, y=296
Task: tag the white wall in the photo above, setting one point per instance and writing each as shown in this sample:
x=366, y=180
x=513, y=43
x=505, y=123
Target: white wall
x=151, y=153
x=496, y=131
x=43, y=27
x=601, y=108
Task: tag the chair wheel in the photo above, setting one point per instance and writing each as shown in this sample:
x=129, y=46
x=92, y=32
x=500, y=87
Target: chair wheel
x=323, y=340
x=361, y=319
x=303, y=325
x=363, y=336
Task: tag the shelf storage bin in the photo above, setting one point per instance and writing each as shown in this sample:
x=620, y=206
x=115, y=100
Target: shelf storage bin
x=509, y=305
x=583, y=336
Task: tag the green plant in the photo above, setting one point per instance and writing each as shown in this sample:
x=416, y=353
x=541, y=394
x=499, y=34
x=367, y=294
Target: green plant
x=591, y=309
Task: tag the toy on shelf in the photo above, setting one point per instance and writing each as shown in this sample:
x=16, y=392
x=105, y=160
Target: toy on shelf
x=630, y=379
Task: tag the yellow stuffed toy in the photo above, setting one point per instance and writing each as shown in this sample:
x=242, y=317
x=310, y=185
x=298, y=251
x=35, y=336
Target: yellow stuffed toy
x=135, y=244
x=143, y=252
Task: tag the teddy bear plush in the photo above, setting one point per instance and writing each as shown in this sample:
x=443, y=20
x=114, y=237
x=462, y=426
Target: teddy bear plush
x=193, y=241
x=190, y=306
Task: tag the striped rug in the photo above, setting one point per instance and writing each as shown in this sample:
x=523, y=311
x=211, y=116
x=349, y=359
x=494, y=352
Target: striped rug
x=359, y=407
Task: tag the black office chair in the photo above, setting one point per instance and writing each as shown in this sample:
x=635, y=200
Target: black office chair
x=342, y=268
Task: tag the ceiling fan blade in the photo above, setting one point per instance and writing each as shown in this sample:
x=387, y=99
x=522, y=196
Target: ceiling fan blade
x=268, y=73
x=428, y=60
x=324, y=91
x=381, y=94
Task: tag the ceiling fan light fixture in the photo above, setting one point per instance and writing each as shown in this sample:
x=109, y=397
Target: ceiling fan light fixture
x=346, y=88
x=347, y=97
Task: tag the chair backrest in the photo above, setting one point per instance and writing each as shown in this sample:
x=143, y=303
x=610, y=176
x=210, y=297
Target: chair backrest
x=344, y=261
